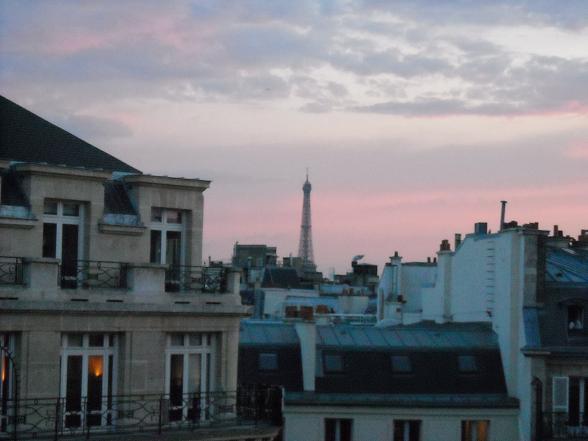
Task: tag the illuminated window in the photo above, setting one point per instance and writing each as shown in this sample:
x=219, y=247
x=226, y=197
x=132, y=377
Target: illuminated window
x=6, y=379
x=88, y=364
x=475, y=430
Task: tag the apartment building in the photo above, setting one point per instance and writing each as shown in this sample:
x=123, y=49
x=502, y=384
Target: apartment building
x=531, y=285
x=109, y=322
x=356, y=382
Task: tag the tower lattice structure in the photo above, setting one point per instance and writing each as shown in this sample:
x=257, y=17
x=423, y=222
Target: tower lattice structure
x=305, y=245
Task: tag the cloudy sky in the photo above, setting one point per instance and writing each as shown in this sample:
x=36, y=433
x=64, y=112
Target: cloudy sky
x=415, y=117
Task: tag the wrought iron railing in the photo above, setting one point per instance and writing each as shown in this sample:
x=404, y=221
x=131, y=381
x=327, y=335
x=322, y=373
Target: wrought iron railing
x=565, y=425
x=182, y=278
x=93, y=274
x=122, y=414
x=11, y=271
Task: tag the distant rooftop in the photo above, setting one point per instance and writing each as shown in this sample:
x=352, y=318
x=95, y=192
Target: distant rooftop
x=26, y=137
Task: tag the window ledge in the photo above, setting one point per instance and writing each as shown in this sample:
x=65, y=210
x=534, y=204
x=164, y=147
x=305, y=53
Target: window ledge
x=17, y=222
x=129, y=230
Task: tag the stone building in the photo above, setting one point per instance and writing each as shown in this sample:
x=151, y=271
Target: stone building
x=108, y=320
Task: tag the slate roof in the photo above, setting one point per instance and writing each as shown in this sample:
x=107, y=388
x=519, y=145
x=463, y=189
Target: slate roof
x=567, y=265
x=26, y=137
x=366, y=353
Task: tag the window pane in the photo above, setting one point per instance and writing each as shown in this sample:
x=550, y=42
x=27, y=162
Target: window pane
x=174, y=216
x=156, y=214
x=177, y=339
x=96, y=340
x=575, y=317
x=467, y=363
x=155, y=252
x=173, y=247
x=333, y=362
x=71, y=209
x=75, y=340
x=330, y=427
x=345, y=429
x=73, y=392
x=176, y=379
x=49, y=239
x=194, y=373
x=94, y=398
x=268, y=362
x=482, y=432
x=401, y=364
x=195, y=339
x=50, y=207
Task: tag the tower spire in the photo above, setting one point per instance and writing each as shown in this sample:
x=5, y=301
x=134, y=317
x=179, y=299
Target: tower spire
x=305, y=251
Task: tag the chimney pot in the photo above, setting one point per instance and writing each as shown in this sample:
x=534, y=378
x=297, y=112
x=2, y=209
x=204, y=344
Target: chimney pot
x=445, y=246
x=457, y=240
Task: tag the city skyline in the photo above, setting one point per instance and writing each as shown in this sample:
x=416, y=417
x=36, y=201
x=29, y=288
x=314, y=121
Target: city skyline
x=414, y=127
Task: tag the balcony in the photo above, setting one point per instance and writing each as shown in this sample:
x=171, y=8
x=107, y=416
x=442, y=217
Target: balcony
x=92, y=274
x=248, y=408
x=181, y=278
x=565, y=426
x=11, y=271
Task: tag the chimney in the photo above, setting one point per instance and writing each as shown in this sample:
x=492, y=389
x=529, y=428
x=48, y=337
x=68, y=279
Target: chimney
x=428, y=260
x=457, y=241
x=555, y=231
x=481, y=228
x=445, y=246
x=306, y=331
x=502, y=214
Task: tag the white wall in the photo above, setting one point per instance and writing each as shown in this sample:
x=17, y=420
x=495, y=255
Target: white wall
x=304, y=423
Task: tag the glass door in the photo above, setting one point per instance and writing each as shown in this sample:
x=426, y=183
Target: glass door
x=87, y=380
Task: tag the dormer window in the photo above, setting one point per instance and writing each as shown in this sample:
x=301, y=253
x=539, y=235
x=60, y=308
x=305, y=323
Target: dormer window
x=401, y=364
x=466, y=364
x=268, y=361
x=333, y=363
x=575, y=318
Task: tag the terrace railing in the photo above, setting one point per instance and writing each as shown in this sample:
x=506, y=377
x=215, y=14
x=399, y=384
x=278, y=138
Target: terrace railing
x=182, y=278
x=126, y=414
x=93, y=274
x=11, y=271
x=565, y=426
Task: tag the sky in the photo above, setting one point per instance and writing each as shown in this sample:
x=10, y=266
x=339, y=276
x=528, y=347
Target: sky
x=415, y=118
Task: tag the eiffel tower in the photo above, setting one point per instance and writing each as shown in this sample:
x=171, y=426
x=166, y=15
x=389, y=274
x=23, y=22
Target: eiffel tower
x=305, y=251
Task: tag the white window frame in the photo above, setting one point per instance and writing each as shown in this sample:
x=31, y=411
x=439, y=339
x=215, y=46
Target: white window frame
x=338, y=423
x=60, y=220
x=164, y=226
x=208, y=346
x=86, y=351
x=565, y=384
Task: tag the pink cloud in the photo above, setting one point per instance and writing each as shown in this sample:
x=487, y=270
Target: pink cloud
x=578, y=151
